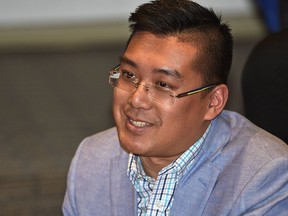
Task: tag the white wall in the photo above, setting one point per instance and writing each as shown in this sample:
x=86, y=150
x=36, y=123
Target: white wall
x=29, y=12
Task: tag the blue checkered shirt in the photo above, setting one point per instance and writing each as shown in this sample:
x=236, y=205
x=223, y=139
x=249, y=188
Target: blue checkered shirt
x=155, y=197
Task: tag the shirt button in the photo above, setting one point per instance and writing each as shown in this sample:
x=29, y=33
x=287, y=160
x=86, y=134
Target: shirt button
x=133, y=166
x=143, y=209
x=159, y=204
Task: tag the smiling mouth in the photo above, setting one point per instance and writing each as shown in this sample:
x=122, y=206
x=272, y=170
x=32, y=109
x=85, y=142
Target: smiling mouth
x=140, y=124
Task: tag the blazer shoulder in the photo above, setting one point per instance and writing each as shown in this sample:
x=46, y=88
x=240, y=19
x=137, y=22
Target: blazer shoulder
x=246, y=135
x=101, y=146
x=235, y=140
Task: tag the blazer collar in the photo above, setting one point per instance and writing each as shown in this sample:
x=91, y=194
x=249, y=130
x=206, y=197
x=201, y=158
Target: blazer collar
x=194, y=190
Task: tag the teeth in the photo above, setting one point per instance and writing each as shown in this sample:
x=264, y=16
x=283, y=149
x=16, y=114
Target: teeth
x=139, y=123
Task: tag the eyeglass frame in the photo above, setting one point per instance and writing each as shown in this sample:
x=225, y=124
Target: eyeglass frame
x=180, y=95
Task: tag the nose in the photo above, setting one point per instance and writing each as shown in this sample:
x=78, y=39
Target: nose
x=139, y=98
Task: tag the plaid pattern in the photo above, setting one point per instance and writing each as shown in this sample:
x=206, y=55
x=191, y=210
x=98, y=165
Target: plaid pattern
x=155, y=197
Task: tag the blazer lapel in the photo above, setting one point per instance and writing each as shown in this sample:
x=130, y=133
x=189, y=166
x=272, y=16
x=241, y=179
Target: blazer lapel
x=122, y=191
x=193, y=192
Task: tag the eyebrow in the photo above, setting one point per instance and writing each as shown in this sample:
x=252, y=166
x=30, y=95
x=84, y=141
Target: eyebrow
x=167, y=71
x=125, y=60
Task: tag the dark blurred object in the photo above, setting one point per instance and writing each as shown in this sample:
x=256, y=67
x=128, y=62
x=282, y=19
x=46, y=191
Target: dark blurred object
x=274, y=13
x=265, y=84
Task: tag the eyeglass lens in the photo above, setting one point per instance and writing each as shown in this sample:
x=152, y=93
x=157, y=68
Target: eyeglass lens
x=155, y=93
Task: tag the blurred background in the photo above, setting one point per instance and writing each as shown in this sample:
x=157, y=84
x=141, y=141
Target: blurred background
x=54, y=58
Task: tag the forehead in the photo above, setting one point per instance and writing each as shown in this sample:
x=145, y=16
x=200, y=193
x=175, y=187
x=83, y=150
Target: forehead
x=146, y=50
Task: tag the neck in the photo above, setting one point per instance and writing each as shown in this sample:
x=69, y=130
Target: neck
x=152, y=166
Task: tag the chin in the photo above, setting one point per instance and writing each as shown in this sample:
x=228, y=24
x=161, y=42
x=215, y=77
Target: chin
x=132, y=146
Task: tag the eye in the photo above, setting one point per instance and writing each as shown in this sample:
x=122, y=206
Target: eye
x=164, y=85
x=128, y=75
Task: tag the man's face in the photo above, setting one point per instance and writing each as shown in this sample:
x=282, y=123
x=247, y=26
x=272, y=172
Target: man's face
x=150, y=129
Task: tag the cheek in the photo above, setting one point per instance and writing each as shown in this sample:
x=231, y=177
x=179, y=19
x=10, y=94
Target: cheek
x=186, y=114
x=118, y=102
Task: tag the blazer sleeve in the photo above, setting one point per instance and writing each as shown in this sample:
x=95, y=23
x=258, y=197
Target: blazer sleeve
x=267, y=192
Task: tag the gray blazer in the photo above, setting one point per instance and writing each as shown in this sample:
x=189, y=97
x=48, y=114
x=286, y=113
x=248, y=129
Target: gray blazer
x=241, y=170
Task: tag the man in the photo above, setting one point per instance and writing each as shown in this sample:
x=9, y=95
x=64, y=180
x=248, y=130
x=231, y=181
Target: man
x=175, y=151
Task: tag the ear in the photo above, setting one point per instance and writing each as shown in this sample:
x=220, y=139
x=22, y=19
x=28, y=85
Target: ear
x=217, y=101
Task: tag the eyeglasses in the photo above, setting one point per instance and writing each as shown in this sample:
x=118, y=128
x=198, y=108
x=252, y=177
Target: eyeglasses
x=157, y=93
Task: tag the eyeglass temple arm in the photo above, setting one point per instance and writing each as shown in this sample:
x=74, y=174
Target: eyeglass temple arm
x=195, y=91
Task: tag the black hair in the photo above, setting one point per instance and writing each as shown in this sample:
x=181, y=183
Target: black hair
x=189, y=22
